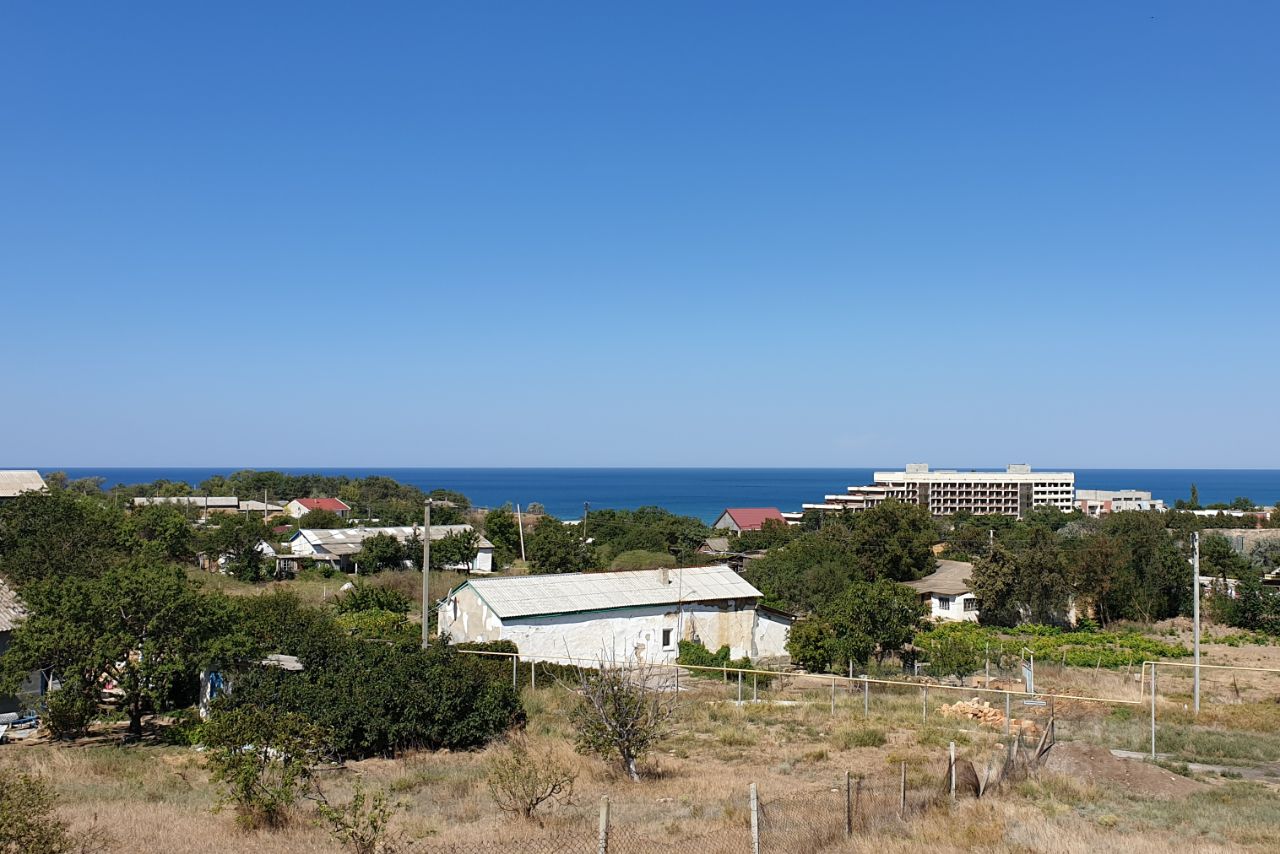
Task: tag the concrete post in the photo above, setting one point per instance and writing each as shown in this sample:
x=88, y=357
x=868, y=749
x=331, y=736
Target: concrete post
x=848, y=806
x=952, y=751
x=515, y=675
x=902, y=800
x=755, y=683
x=739, y=687
x=602, y=839
x=833, y=695
x=924, y=705
x=755, y=821
x=866, y=697
x=1153, y=710
x=1008, y=713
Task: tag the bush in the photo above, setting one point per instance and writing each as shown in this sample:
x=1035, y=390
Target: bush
x=363, y=824
x=622, y=710
x=847, y=739
x=810, y=644
x=262, y=758
x=70, y=710
x=372, y=597
x=28, y=820
x=520, y=781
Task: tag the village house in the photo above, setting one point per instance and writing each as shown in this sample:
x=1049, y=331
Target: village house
x=739, y=519
x=12, y=612
x=341, y=546
x=637, y=615
x=14, y=482
x=299, y=507
x=947, y=591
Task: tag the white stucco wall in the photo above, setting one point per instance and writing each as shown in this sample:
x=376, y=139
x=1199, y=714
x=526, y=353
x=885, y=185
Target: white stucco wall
x=483, y=561
x=771, y=633
x=956, y=612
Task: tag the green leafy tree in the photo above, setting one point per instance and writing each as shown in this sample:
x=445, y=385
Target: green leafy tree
x=502, y=529
x=262, y=758
x=1219, y=560
x=554, y=547
x=873, y=618
x=995, y=582
x=953, y=649
x=165, y=532
x=1096, y=569
x=54, y=534
x=381, y=551
x=362, y=824
x=457, y=548
x=893, y=540
x=372, y=597
x=237, y=540
x=622, y=711
x=811, y=644
x=321, y=518
x=771, y=534
x=144, y=627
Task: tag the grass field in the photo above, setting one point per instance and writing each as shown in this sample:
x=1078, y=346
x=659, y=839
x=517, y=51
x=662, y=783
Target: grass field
x=153, y=798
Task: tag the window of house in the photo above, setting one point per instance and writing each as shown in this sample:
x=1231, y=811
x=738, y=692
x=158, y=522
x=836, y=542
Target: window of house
x=666, y=638
x=944, y=603
x=971, y=604
x=455, y=609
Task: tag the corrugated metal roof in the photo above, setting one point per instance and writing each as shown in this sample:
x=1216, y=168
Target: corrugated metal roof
x=536, y=595
x=11, y=609
x=210, y=501
x=348, y=540
x=950, y=579
x=752, y=518
x=17, y=481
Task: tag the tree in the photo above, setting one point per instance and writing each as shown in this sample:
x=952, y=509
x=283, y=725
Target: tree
x=50, y=535
x=893, y=540
x=771, y=534
x=29, y=821
x=554, y=547
x=869, y=618
x=372, y=597
x=457, y=548
x=381, y=551
x=321, y=518
x=810, y=643
x=165, y=531
x=362, y=823
x=1095, y=570
x=1042, y=587
x=520, y=780
x=622, y=710
x=1219, y=560
x=809, y=571
x=142, y=626
x=952, y=649
x=995, y=582
x=1195, y=498
x=502, y=529
x=262, y=758
x=237, y=540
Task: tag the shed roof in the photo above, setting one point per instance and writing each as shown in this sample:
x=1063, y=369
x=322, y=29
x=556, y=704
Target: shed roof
x=17, y=481
x=213, y=502
x=951, y=578
x=751, y=518
x=543, y=595
x=340, y=541
x=11, y=608
x=333, y=505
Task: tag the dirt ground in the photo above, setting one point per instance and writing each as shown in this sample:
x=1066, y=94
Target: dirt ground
x=1091, y=764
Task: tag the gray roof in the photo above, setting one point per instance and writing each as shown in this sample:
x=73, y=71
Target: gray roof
x=11, y=609
x=211, y=501
x=950, y=579
x=716, y=544
x=540, y=595
x=340, y=541
x=16, y=481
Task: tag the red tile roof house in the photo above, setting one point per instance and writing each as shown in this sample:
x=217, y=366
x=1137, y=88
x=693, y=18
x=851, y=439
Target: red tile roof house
x=299, y=507
x=741, y=519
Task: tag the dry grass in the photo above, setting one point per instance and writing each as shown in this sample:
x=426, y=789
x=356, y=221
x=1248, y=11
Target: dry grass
x=159, y=799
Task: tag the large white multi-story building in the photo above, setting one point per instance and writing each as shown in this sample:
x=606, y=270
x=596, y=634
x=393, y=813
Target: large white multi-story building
x=1012, y=492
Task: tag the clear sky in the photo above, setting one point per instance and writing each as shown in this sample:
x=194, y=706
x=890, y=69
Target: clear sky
x=660, y=233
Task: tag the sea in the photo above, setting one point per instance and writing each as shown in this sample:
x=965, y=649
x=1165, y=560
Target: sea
x=705, y=492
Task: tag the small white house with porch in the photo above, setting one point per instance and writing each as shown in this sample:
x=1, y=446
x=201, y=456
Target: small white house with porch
x=947, y=592
x=637, y=615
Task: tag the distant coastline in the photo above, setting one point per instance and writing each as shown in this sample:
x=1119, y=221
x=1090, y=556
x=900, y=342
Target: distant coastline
x=702, y=492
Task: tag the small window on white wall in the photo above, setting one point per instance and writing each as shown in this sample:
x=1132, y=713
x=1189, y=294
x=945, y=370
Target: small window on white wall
x=944, y=603
x=666, y=638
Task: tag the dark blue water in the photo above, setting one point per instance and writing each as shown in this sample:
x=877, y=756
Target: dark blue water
x=705, y=492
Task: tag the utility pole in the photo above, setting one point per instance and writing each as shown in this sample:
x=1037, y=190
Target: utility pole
x=586, y=508
x=426, y=570
x=520, y=526
x=1195, y=614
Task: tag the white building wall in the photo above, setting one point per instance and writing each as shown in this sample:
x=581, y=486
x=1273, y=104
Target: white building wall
x=952, y=608
x=771, y=634
x=622, y=635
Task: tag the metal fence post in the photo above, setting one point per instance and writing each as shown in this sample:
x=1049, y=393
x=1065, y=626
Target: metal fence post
x=833, y=695
x=515, y=677
x=952, y=751
x=755, y=683
x=533, y=674
x=1008, y=713
x=902, y=800
x=848, y=806
x=602, y=839
x=924, y=705
x=739, y=687
x=1153, y=710
x=866, y=697
x=755, y=821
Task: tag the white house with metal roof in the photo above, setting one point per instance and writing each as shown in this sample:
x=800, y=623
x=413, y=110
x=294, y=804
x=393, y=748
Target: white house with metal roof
x=342, y=545
x=948, y=591
x=12, y=612
x=14, y=482
x=636, y=615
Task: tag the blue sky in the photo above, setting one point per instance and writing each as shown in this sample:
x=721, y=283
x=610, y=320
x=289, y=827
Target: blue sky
x=828, y=234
